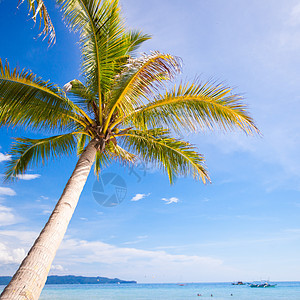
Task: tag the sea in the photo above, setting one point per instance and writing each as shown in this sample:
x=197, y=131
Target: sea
x=283, y=290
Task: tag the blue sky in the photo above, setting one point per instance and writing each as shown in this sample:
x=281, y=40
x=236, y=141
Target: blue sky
x=243, y=226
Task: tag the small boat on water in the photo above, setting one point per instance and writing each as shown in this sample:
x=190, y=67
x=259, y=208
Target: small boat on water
x=238, y=283
x=264, y=284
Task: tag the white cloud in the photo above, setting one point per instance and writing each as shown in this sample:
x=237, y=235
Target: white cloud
x=28, y=176
x=14, y=245
x=6, y=216
x=4, y=157
x=142, y=237
x=46, y=212
x=294, y=18
x=42, y=198
x=152, y=266
x=138, y=197
x=9, y=256
x=75, y=255
x=7, y=191
x=19, y=236
x=57, y=268
x=131, y=242
x=139, y=239
x=170, y=200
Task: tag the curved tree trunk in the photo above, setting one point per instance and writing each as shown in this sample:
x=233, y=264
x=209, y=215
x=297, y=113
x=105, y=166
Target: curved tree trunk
x=29, y=280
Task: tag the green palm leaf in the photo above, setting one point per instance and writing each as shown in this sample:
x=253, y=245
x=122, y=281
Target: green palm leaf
x=82, y=140
x=191, y=107
x=28, y=100
x=134, y=39
x=104, y=41
x=113, y=152
x=26, y=152
x=121, y=155
x=157, y=147
x=101, y=161
x=101, y=30
x=141, y=78
x=82, y=96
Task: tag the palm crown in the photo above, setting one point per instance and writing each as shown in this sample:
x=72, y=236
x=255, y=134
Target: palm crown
x=118, y=104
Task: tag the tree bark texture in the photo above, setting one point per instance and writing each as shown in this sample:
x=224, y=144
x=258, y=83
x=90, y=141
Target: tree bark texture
x=30, y=278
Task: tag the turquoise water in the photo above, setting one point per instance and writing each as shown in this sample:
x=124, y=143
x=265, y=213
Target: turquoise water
x=283, y=290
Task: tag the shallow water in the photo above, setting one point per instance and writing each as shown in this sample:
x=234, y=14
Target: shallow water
x=283, y=290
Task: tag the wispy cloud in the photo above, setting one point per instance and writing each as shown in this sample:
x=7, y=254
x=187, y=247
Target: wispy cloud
x=139, y=197
x=170, y=200
x=139, y=239
x=131, y=242
x=129, y=262
x=57, y=268
x=75, y=255
x=22, y=236
x=28, y=176
x=6, y=216
x=142, y=237
x=4, y=157
x=7, y=191
x=42, y=198
x=294, y=18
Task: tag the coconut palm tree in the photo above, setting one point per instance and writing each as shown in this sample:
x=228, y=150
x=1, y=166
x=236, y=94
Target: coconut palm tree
x=123, y=108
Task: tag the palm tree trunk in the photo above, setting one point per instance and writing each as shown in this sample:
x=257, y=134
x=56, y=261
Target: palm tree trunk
x=30, y=278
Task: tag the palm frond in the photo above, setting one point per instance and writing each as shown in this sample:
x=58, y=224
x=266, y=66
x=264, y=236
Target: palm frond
x=112, y=152
x=82, y=96
x=192, y=107
x=26, y=99
x=101, y=161
x=132, y=41
x=101, y=31
x=176, y=157
x=141, y=78
x=119, y=154
x=135, y=39
x=82, y=140
x=104, y=41
x=38, y=8
x=26, y=152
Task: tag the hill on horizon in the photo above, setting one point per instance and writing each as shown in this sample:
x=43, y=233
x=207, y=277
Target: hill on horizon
x=71, y=279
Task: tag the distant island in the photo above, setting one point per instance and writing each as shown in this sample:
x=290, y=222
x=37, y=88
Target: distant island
x=70, y=279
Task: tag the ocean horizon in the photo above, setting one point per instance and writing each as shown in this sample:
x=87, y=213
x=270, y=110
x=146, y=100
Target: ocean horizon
x=289, y=290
